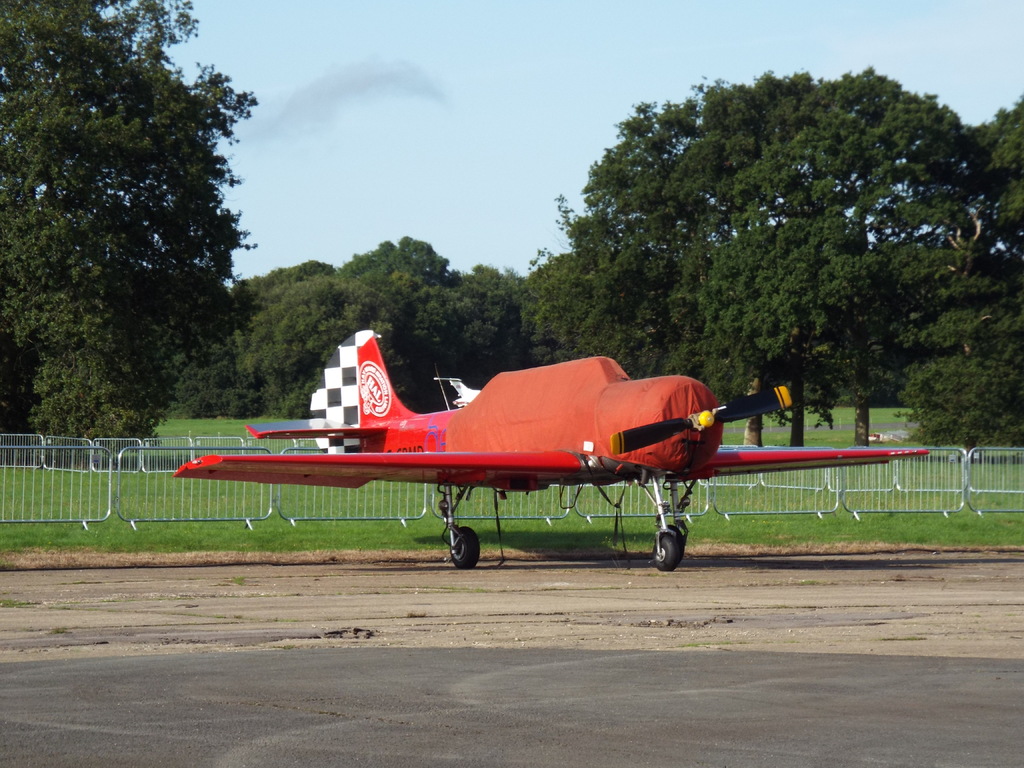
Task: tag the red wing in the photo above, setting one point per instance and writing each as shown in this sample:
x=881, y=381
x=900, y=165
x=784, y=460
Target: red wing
x=525, y=471
x=738, y=461
x=511, y=471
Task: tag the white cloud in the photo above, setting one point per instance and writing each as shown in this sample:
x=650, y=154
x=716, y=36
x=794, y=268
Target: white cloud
x=318, y=103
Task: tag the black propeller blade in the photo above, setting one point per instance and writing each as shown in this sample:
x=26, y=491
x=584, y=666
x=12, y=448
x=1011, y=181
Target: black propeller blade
x=638, y=437
x=766, y=401
x=735, y=410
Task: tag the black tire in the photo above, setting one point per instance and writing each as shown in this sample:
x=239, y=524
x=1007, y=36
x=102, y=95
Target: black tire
x=668, y=549
x=465, y=550
x=682, y=535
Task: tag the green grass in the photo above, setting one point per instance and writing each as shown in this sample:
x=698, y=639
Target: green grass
x=208, y=427
x=964, y=530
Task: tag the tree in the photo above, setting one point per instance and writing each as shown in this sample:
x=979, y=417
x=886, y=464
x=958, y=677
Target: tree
x=410, y=257
x=967, y=387
x=759, y=232
x=431, y=320
x=853, y=181
x=492, y=333
x=298, y=318
x=115, y=244
x=627, y=287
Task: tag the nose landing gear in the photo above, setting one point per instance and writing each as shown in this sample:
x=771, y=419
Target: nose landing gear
x=670, y=540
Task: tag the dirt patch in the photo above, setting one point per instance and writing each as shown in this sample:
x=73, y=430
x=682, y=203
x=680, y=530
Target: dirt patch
x=918, y=603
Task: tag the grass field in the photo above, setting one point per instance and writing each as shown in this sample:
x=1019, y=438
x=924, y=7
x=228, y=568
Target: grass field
x=572, y=535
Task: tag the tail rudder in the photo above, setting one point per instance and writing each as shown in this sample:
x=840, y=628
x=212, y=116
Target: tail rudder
x=355, y=389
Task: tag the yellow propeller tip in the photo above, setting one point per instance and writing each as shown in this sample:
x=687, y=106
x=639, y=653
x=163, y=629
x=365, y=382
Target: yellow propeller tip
x=785, y=399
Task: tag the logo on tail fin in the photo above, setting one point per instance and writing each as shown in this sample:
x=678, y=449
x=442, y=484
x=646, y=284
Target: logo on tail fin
x=374, y=390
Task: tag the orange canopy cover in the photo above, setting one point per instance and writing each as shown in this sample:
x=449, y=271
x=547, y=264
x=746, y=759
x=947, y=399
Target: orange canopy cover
x=577, y=406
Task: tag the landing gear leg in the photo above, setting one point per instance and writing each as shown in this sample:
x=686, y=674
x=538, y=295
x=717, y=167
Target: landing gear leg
x=463, y=543
x=670, y=540
x=679, y=506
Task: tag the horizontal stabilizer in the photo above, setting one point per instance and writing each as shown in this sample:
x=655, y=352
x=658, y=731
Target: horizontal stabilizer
x=308, y=428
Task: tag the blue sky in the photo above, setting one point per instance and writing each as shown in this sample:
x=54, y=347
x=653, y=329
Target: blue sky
x=459, y=123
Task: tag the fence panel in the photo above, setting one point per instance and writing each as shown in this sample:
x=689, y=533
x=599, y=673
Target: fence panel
x=21, y=450
x=63, y=487
x=802, y=492
x=152, y=495
x=400, y=502
x=166, y=454
x=374, y=501
x=59, y=458
x=114, y=445
x=996, y=480
x=535, y=505
x=634, y=501
x=935, y=483
x=556, y=502
x=217, y=442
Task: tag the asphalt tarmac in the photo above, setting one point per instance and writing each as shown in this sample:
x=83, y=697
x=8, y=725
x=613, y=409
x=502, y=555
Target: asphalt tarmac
x=432, y=707
x=538, y=665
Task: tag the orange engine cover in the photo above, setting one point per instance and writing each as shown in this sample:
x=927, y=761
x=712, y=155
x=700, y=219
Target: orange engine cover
x=577, y=406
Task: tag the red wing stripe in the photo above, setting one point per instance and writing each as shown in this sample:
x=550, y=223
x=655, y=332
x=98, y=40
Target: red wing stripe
x=352, y=470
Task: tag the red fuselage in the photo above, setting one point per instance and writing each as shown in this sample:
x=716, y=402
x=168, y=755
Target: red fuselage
x=574, y=406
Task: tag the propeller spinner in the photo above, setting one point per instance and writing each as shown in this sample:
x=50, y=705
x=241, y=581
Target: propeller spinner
x=735, y=410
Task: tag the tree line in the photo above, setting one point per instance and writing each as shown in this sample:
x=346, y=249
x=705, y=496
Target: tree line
x=847, y=237
x=432, y=321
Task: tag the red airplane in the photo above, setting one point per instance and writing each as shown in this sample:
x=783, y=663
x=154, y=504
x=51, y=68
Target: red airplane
x=570, y=424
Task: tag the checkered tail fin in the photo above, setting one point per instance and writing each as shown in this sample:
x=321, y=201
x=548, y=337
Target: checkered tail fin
x=355, y=389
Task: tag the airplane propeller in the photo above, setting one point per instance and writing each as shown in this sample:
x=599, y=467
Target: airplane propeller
x=735, y=410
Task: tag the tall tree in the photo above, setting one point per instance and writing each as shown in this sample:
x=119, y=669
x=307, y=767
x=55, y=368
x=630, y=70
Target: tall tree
x=853, y=180
x=431, y=319
x=115, y=243
x=298, y=318
x=968, y=388
x=627, y=286
x=759, y=231
x=493, y=333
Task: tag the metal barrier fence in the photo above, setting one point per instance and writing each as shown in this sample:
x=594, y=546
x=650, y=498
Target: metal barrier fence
x=61, y=480
x=387, y=501
x=994, y=480
x=55, y=484
x=148, y=492
x=813, y=491
x=935, y=483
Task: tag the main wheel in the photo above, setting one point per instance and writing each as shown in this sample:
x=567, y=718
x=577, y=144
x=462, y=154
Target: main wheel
x=465, y=549
x=668, y=549
x=682, y=535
